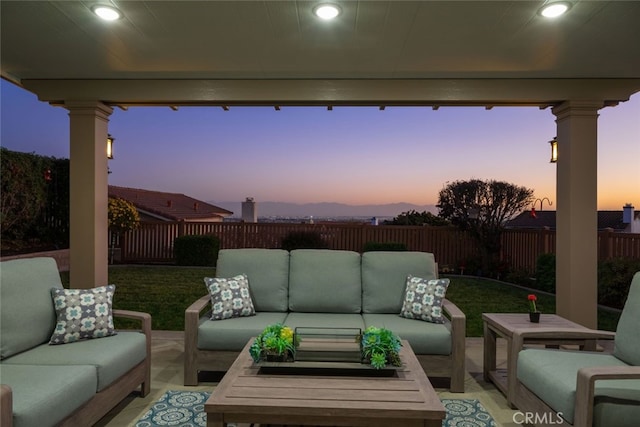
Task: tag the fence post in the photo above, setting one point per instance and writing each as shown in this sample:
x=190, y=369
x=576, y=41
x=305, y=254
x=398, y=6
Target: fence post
x=606, y=247
x=181, y=228
x=543, y=241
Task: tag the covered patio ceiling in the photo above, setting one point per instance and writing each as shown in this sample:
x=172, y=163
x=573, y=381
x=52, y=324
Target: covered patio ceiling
x=377, y=53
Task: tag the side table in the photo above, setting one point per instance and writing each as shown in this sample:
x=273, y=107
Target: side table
x=503, y=325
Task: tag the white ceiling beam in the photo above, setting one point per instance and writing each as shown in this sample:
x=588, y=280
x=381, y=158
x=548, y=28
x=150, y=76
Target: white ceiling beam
x=374, y=92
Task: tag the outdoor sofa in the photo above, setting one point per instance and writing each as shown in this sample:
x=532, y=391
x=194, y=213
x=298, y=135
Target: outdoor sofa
x=324, y=289
x=68, y=383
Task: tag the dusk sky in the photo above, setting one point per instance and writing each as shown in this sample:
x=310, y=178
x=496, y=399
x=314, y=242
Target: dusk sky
x=349, y=155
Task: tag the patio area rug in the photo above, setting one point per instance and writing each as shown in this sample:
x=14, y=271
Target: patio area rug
x=186, y=409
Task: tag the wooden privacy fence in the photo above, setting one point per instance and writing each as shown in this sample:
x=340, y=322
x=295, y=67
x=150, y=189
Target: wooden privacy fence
x=153, y=242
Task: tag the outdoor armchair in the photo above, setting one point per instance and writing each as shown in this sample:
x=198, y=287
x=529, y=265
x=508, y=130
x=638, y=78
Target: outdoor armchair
x=581, y=388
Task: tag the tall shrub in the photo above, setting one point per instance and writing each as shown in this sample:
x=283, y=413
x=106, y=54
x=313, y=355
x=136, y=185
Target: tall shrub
x=34, y=198
x=196, y=250
x=546, y=273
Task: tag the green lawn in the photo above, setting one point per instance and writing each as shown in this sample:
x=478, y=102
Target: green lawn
x=165, y=293
x=475, y=296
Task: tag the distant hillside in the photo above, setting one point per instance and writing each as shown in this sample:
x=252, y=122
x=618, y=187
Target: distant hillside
x=326, y=209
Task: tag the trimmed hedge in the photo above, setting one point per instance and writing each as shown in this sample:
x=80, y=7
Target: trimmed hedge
x=194, y=250
x=303, y=240
x=384, y=246
x=614, y=278
x=546, y=273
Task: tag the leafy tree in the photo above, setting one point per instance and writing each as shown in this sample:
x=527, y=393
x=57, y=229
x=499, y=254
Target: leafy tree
x=482, y=208
x=414, y=217
x=123, y=216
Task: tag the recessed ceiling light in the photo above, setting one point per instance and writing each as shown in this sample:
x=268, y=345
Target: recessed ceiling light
x=327, y=11
x=554, y=9
x=106, y=12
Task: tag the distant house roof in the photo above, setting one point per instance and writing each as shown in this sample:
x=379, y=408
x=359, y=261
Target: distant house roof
x=606, y=219
x=169, y=206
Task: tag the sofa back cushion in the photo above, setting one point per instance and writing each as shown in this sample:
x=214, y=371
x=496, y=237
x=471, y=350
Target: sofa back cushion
x=268, y=273
x=325, y=281
x=384, y=278
x=627, y=342
x=27, y=315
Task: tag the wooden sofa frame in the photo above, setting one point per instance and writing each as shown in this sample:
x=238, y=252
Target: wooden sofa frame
x=102, y=402
x=195, y=360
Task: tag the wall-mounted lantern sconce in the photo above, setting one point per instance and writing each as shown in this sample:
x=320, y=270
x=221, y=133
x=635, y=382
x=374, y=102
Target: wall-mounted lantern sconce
x=110, y=141
x=554, y=150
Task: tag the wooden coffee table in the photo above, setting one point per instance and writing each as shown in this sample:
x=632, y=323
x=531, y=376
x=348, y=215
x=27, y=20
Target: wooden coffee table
x=247, y=395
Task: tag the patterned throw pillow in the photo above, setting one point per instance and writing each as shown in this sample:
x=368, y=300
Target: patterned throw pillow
x=82, y=314
x=423, y=299
x=230, y=297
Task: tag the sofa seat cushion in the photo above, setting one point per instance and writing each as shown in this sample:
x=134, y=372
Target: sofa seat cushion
x=27, y=316
x=424, y=337
x=324, y=320
x=112, y=356
x=325, y=281
x=557, y=387
x=233, y=334
x=384, y=278
x=268, y=273
x=45, y=395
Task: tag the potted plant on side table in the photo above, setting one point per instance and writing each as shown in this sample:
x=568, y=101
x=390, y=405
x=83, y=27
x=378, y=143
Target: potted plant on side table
x=534, y=314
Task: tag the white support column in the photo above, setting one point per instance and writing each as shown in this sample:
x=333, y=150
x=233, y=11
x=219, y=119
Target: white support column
x=88, y=193
x=576, y=211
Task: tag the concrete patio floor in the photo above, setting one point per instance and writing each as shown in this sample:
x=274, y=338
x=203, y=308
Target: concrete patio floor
x=167, y=374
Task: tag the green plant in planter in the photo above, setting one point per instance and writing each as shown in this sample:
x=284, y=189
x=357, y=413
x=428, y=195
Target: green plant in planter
x=380, y=347
x=274, y=340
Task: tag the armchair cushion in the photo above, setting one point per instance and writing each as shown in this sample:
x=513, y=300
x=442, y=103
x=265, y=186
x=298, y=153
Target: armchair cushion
x=557, y=386
x=82, y=314
x=627, y=341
